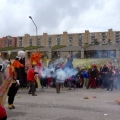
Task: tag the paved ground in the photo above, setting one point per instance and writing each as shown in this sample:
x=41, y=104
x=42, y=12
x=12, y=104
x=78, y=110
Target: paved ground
x=68, y=105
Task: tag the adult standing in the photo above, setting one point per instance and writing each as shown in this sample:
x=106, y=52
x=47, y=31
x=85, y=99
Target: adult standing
x=111, y=79
x=93, y=76
x=105, y=71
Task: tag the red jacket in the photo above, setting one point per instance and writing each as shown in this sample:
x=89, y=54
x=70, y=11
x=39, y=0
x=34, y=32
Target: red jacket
x=2, y=112
x=30, y=75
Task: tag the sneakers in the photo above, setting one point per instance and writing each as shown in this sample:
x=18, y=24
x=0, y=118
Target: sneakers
x=11, y=106
x=111, y=91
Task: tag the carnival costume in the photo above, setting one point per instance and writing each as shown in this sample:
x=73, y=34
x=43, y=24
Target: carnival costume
x=19, y=64
x=35, y=60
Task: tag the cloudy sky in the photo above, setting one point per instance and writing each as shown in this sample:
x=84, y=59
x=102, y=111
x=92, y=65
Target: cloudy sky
x=56, y=16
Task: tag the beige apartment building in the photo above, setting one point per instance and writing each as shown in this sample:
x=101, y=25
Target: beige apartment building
x=84, y=45
x=70, y=39
x=72, y=42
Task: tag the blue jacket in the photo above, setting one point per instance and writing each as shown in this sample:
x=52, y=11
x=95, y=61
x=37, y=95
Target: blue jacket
x=85, y=74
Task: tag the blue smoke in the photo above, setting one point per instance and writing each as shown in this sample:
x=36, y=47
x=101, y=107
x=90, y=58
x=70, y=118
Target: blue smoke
x=55, y=70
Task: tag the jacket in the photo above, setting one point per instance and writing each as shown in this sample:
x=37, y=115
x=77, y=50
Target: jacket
x=31, y=74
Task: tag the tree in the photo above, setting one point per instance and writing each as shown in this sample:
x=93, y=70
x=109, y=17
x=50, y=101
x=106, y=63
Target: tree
x=95, y=42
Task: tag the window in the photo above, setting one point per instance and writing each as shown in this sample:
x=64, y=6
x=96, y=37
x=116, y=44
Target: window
x=117, y=40
x=80, y=43
x=39, y=41
x=103, y=34
x=9, y=41
x=30, y=41
x=70, y=40
x=5, y=43
x=93, y=41
x=117, y=33
x=103, y=41
x=58, y=39
x=92, y=34
x=49, y=41
x=20, y=42
x=80, y=39
x=92, y=37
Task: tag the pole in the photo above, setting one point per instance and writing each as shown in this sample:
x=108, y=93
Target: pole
x=36, y=31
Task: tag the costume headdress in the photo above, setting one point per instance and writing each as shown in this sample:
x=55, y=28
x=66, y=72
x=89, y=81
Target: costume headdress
x=35, y=58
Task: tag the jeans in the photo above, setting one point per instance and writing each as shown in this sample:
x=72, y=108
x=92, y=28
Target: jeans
x=71, y=84
x=110, y=85
x=105, y=81
x=32, y=87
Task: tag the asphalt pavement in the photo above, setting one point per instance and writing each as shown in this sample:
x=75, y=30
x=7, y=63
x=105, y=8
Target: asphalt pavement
x=68, y=105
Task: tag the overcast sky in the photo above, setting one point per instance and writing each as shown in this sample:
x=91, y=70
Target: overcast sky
x=56, y=16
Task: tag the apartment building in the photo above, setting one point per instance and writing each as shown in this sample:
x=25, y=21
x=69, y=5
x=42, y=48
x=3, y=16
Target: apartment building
x=8, y=41
x=70, y=39
x=102, y=44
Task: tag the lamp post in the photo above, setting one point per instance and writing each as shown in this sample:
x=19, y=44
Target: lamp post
x=36, y=31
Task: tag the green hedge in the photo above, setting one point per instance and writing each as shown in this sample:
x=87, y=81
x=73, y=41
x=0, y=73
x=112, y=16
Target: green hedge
x=57, y=47
x=9, y=48
x=32, y=47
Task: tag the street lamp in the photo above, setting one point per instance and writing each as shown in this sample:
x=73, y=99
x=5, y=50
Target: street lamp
x=36, y=31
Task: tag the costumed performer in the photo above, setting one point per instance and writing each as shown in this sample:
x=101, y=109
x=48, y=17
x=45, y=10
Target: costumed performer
x=35, y=60
x=4, y=83
x=13, y=88
x=19, y=64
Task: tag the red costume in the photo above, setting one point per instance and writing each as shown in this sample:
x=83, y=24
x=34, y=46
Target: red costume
x=93, y=75
x=2, y=112
x=30, y=76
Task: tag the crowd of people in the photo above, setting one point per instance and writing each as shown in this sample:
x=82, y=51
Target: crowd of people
x=88, y=77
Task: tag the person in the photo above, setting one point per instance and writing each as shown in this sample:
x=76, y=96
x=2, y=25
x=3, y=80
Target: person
x=105, y=71
x=71, y=82
x=93, y=75
x=85, y=75
x=58, y=86
x=3, y=115
x=111, y=79
x=18, y=67
x=14, y=86
x=31, y=80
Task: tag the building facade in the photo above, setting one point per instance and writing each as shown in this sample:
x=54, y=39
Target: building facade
x=70, y=39
x=8, y=41
x=84, y=45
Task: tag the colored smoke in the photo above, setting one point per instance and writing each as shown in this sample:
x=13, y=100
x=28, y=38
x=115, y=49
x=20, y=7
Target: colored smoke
x=55, y=70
